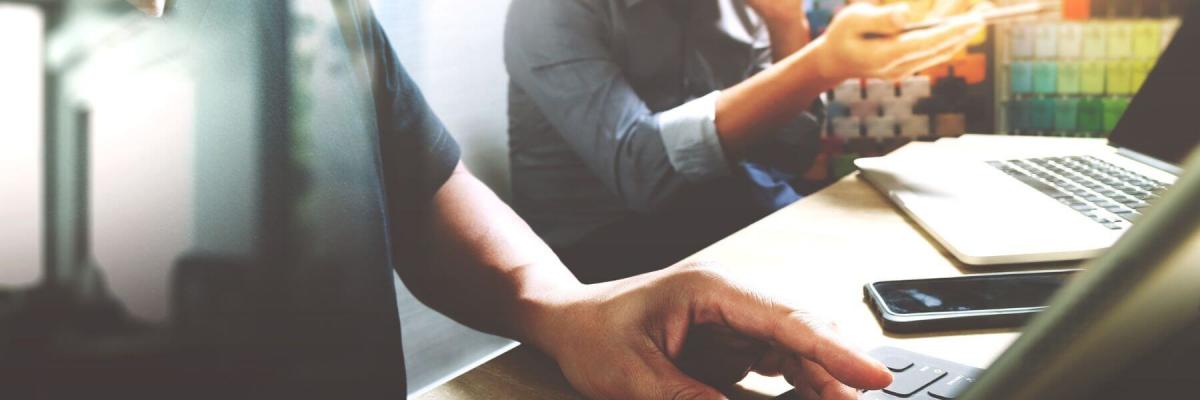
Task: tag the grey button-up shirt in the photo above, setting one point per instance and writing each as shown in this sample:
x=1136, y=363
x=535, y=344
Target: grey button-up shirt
x=612, y=103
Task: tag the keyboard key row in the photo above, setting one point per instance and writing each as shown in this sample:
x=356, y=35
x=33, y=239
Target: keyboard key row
x=1087, y=186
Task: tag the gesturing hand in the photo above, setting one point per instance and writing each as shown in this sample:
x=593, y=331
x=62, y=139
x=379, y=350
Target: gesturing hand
x=626, y=340
x=845, y=51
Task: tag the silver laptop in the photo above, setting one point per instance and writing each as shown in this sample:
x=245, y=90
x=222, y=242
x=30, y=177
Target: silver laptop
x=1053, y=199
x=1128, y=327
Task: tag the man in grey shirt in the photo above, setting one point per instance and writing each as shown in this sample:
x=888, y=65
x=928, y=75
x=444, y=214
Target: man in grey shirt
x=650, y=128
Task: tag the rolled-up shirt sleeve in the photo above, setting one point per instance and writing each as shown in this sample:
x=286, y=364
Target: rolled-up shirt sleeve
x=556, y=54
x=689, y=133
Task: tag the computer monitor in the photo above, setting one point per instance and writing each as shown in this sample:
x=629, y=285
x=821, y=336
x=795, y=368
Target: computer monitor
x=215, y=209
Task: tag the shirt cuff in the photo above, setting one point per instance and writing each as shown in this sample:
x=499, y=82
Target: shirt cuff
x=689, y=133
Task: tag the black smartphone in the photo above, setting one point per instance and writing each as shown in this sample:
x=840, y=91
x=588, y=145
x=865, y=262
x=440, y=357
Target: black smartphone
x=966, y=302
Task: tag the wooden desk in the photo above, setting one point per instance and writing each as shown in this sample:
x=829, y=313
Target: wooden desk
x=815, y=254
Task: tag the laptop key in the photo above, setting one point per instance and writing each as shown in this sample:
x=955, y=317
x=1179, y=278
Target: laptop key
x=1130, y=216
x=1135, y=204
x=951, y=388
x=1082, y=207
x=1040, y=186
x=897, y=364
x=908, y=383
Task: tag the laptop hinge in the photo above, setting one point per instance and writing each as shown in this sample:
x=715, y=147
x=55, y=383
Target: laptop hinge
x=1151, y=161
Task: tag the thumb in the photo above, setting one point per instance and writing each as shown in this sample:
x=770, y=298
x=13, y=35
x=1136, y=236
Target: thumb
x=674, y=384
x=801, y=333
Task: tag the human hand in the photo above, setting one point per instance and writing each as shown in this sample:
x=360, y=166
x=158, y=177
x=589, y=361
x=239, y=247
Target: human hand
x=627, y=339
x=946, y=8
x=933, y=9
x=846, y=51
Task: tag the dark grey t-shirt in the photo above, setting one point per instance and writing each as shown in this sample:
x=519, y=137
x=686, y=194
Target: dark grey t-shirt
x=383, y=157
x=417, y=154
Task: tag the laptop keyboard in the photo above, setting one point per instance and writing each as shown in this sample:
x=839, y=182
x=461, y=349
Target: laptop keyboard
x=915, y=376
x=1107, y=194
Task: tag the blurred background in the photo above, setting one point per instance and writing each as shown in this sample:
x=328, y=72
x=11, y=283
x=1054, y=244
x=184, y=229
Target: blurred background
x=122, y=174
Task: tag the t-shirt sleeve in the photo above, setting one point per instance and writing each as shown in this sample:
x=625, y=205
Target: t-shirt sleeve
x=417, y=153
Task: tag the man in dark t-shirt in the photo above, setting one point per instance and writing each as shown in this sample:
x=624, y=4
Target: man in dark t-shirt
x=464, y=252
x=484, y=267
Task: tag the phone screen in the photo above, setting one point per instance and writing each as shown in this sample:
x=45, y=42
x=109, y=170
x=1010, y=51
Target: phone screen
x=971, y=293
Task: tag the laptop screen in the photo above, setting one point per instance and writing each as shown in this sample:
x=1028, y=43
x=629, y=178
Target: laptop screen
x=1163, y=120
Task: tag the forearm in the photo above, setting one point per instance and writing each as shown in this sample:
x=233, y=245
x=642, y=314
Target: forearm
x=746, y=112
x=788, y=37
x=486, y=267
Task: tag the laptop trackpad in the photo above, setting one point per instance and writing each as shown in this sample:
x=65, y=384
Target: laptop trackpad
x=979, y=229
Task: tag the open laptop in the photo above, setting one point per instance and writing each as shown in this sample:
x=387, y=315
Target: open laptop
x=1050, y=199
x=1127, y=327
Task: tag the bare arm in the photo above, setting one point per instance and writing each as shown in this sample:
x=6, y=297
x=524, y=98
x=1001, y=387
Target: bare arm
x=487, y=268
x=616, y=340
x=747, y=111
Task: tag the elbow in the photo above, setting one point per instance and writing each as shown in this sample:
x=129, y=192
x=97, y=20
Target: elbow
x=642, y=173
x=648, y=187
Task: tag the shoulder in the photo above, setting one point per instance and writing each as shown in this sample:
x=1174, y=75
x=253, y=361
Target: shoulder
x=553, y=12
x=540, y=32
